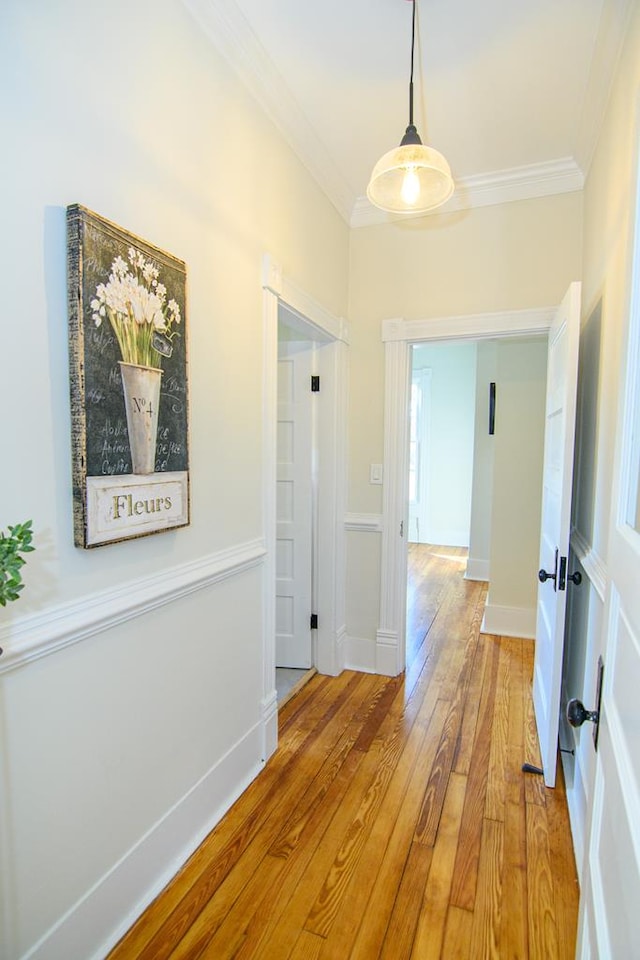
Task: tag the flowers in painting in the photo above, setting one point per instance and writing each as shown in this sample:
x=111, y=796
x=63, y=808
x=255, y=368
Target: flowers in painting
x=136, y=305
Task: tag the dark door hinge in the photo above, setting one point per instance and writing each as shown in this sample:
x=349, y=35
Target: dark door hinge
x=314, y=621
x=315, y=384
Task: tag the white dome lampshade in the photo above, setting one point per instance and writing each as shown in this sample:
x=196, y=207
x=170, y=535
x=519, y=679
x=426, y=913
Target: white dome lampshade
x=411, y=178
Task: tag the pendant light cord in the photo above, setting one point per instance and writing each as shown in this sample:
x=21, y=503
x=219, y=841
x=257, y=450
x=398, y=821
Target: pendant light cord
x=413, y=35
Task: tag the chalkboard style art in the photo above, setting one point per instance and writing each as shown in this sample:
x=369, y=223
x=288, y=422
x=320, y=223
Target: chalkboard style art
x=129, y=388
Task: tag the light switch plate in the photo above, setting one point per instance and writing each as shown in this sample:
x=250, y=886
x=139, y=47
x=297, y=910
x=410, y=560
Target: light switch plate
x=375, y=473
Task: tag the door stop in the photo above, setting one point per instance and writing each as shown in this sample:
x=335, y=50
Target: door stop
x=529, y=768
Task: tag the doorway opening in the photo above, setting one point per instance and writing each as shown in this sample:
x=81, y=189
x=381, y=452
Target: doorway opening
x=290, y=315
x=297, y=466
x=475, y=474
x=398, y=337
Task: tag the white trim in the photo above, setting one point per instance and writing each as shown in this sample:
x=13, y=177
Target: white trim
x=590, y=561
x=397, y=335
x=445, y=535
x=269, y=713
x=519, y=622
x=473, y=326
x=105, y=913
x=618, y=749
x=390, y=637
x=359, y=654
x=332, y=336
x=229, y=31
x=269, y=447
x=308, y=311
x=578, y=805
x=38, y=635
x=501, y=186
x=331, y=503
x=363, y=522
x=390, y=653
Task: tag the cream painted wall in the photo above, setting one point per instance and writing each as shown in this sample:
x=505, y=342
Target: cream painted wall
x=483, y=459
x=130, y=112
x=514, y=256
x=521, y=376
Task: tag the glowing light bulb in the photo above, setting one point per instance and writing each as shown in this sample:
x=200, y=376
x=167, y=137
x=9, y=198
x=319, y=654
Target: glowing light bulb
x=410, y=187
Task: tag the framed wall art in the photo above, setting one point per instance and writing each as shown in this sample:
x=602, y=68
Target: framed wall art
x=129, y=385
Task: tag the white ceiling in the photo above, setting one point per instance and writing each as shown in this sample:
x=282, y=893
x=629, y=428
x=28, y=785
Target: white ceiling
x=510, y=91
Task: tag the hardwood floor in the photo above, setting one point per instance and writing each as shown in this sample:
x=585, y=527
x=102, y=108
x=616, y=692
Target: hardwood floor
x=394, y=821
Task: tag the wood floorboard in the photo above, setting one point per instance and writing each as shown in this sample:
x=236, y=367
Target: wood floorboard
x=394, y=821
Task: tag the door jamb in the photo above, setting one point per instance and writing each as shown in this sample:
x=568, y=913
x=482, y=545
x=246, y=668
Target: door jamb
x=398, y=335
x=332, y=358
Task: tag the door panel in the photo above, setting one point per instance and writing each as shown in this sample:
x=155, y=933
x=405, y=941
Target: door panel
x=562, y=379
x=609, y=925
x=294, y=506
x=612, y=892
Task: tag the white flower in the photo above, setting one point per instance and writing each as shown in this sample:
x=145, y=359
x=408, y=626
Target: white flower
x=119, y=267
x=134, y=302
x=150, y=273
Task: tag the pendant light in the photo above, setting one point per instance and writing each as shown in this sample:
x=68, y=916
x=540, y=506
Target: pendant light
x=411, y=178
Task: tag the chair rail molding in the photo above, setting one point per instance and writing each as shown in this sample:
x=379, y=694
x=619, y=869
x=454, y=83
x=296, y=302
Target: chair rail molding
x=38, y=635
x=363, y=522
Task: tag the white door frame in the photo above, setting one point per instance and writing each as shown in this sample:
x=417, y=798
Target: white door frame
x=330, y=574
x=423, y=377
x=398, y=336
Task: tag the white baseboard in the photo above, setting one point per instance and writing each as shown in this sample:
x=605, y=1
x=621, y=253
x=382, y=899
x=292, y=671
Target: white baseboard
x=577, y=804
x=102, y=916
x=477, y=569
x=509, y=621
x=446, y=536
x=340, y=645
x=381, y=656
x=269, y=708
x=330, y=651
x=388, y=660
x=360, y=654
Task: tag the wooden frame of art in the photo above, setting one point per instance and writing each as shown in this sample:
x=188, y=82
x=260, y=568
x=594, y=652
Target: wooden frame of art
x=129, y=385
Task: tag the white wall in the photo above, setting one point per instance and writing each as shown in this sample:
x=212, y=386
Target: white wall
x=120, y=750
x=449, y=452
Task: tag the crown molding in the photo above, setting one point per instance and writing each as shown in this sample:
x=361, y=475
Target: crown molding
x=502, y=186
x=228, y=30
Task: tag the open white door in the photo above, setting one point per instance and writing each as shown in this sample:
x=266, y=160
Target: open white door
x=609, y=925
x=562, y=378
x=294, y=506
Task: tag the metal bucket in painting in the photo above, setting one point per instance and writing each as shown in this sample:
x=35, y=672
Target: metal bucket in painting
x=141, y=387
